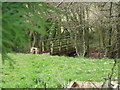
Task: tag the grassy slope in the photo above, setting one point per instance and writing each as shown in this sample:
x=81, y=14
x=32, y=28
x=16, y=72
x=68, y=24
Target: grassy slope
x=35, y=70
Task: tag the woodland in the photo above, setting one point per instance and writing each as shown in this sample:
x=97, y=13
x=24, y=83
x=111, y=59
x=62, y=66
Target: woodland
x=85, y=28
x=64, y=30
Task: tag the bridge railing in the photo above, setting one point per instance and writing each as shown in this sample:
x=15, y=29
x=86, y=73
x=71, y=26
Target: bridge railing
x=61, y=45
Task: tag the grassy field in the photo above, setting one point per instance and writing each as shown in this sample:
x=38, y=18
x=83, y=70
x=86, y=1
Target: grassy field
x=39, y=71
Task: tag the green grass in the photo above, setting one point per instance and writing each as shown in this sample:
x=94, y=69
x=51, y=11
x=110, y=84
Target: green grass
x=36, y=71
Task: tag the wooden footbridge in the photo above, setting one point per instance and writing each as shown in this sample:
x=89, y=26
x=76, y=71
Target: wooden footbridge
x=58, y=46
x=64, y=46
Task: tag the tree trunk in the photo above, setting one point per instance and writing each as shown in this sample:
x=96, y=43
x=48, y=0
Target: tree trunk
x=118, y=42
x=110, y=30
x=86, y=34
x=109, y=33
x=86, y=42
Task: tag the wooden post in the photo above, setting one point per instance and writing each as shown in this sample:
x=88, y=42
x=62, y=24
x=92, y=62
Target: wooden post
x=43, y=48
x=51, y=47
x=60, y=44
x=68, y=42
x=66, y=46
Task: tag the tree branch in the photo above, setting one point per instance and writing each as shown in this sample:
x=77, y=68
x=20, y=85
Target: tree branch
x=59, y=3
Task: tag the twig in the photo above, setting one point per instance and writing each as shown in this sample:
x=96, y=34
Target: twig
x=69, y=4
x=93, y=84
x=59, y=3
x=110, y=76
